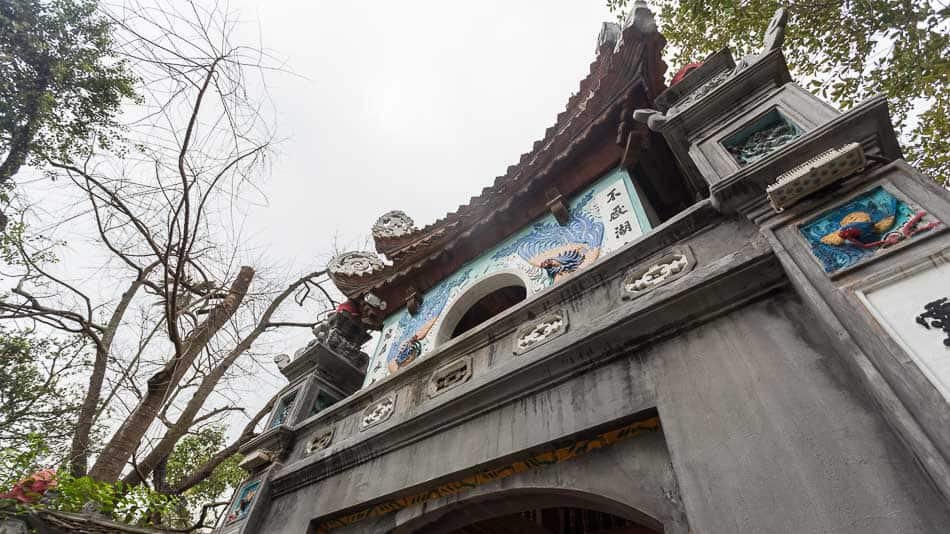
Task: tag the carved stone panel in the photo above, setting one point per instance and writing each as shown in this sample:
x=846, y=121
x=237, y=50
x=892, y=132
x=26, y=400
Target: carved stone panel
x=378, y=412
x=449, y=376
x=655, y=273
x=697, y=94
x=320, y=441
x=540, y=331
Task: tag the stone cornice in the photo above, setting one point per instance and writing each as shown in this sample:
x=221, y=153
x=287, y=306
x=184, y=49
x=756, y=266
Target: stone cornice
x=867, y=123
x=715, y=286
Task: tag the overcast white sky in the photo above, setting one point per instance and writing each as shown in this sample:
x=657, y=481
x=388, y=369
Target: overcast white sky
x=394, y=105
x=407, y=105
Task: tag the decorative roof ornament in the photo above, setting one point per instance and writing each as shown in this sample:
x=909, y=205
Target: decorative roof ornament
x=393, y=224
x=774, y=39
x=355, y=263
x=354, y=272
x=641, y=18
x=609, y=35
x=393, y=231
x=656, y=120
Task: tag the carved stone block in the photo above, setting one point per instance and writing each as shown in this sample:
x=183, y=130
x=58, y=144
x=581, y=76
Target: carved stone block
x=653, y=274
x=449, y=376
x=378, y=412
x=320, y=441
x=540, y=331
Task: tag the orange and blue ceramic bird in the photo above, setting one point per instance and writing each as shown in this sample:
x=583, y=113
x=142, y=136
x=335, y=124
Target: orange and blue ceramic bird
x=865, y=228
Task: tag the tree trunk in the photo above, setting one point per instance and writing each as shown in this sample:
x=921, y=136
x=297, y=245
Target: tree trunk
x=207, y=386
x=79, y=449
x=119, y=450
x=187, y=417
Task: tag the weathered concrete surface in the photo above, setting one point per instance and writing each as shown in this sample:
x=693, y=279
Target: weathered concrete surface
x=588, y=400
x=769, y=433
x=631, y=478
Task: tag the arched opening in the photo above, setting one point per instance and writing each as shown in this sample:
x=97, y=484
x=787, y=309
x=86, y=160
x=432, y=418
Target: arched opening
x=556, y=520
x=489, y=306
x=536, y=511
x=481, y=301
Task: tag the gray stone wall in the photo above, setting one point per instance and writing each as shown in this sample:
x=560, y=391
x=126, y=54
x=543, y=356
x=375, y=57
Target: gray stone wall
x=770, y=432
x=767, y=431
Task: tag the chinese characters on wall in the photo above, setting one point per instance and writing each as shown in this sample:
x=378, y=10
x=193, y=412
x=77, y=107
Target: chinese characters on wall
x=620, y=220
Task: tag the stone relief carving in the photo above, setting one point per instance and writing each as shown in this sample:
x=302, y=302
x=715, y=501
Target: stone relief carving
x=667, y=268
x=696, y=94
x=937, y=315
x=816, y=173
x=761, y=138
x=355, y=263
x=321, y=441
x=539, y=332
x=378, y=412
x=449, y=376
x=393, y=224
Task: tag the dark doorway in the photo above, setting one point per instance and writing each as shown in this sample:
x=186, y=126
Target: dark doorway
x=559, y=520
x=489, y=306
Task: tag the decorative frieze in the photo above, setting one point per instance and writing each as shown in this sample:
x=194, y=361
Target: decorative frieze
x=540, y=331
x=449, y=376
x=697, y=94
x=320, y=441
x=573, y=449
x=663, y=270
x=816, y=173
x=378, y=412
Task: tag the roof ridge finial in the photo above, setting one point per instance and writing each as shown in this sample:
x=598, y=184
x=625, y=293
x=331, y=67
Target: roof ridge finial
x=609, y=35
x=640, y=17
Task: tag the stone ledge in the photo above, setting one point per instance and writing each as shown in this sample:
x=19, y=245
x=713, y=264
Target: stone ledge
x=716, y=286
x=867, y=123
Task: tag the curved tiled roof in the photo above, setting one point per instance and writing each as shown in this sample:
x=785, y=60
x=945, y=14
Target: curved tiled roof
x=627, y=66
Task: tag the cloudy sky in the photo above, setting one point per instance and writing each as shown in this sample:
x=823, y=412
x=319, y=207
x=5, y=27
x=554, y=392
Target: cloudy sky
x=391, y=105
x=406, y=105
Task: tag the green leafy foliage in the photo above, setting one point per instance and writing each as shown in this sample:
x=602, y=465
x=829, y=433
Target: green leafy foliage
x=844, y=51
x=62, y=81
x=190, y=453
x=132, y=505
x=36, y=393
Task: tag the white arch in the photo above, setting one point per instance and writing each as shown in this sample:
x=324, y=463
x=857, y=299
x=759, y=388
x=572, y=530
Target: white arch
x=463, y=301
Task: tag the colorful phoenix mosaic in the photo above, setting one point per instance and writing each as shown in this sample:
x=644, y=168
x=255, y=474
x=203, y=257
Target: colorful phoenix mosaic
x=859, y=229
x=546, y=458
x=560, y=250
x=414, y=328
